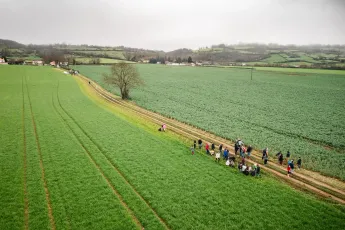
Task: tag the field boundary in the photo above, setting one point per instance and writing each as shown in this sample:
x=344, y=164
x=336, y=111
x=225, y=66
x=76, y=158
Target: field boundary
x=123, y=203
x=100, y=149
x=26, y=199
x=50, y=210
x=175, y=126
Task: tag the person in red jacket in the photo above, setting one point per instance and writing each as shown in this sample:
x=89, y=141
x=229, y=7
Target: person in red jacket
x=288, y=171
x=207, y=147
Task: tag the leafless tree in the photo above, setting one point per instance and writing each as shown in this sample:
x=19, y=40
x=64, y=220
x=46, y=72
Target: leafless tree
x=125, y=76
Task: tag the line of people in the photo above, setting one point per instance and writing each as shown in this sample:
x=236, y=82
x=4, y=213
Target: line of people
x=245, y=153
x=210, y=149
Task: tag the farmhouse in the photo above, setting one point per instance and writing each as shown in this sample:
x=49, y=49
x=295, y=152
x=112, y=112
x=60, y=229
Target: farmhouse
x=2, y=61
x=37, y=62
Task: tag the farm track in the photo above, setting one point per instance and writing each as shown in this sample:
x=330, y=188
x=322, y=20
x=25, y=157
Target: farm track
x=100, y=149
x=50, y=210
x=26, y=200
x=299, y=180
x=123, y=203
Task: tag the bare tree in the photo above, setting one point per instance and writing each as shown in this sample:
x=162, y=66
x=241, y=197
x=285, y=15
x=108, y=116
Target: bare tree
x=125, y=76
x=128, y=55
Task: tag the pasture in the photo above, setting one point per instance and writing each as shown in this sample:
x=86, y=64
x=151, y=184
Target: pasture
x=85, y=60
x=70, y=160
x=299, y=110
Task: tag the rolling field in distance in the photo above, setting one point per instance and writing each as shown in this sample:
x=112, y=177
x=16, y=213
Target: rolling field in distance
x=283, y=109
x=70, y=160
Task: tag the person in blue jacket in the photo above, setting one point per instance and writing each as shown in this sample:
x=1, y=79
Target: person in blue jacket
x=226, y=153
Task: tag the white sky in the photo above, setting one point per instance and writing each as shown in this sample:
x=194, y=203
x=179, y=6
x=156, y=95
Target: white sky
x=172, y=24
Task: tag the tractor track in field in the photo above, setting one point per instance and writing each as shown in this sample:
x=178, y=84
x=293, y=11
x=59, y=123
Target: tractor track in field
x=123, y=203
x=50, y=210
x=100, y=149
x=299, y=180
x=26, y=200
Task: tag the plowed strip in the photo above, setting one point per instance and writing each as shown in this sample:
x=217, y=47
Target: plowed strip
x=26, y=201
x=113, y=165
x=135, y=219
x=50, y=210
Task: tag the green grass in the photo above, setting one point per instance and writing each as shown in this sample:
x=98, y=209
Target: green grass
x=112, y=54
x=188, y=192
x=299, y=110
x=102, y=60
x=274, y=58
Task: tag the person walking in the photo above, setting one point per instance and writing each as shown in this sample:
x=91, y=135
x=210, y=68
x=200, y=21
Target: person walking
x=194, y=144
x=257, y=171
x=249, y=151
x=299, y=163
x=226, y=153
x=200, y=143
x=220, y=148
x=192, y=149
x=265, y=155
x=288, y=170
x=218, y=157
x=288, y=154
x=237, y=147
x=207, y=147
x=213, y=147
x=280, y=159
x=292, y=166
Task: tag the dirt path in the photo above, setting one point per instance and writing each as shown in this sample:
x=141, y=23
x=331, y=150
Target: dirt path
x=26, y=200
x=333, y=191
x=50, y=210
x=88, y=154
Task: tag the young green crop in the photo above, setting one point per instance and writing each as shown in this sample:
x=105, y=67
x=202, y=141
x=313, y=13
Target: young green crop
x=297, y=110
x=103, y=171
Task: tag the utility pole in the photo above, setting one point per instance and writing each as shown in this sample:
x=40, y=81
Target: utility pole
x=251, y=74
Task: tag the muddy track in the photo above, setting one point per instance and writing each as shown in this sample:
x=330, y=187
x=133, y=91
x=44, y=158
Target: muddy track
x=50, y=210
x=88, y=154
x=299, y=180
x=26, y=200
x=100, y=149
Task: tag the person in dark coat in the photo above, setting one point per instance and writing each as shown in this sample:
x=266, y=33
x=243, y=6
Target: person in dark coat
x=257, y=172
x=200, y=143
x=237, y=147
x=249, y=151
x=299, y=162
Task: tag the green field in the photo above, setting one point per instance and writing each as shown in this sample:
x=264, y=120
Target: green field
x=103, y=169
x=299, y=110
x=85, y=60
x=274, y=58
x=112, y=54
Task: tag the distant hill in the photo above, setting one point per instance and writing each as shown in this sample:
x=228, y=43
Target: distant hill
x=325, y=56
x=10, y=44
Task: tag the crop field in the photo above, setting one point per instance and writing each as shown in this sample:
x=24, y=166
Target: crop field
x=70, y=160
x=283, y=109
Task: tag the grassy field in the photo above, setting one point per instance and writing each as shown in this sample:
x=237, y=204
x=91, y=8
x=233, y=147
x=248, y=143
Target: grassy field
x=85, y=60
x=71, y=161
x=112, y=54
x=283, y=109
x=274, y=58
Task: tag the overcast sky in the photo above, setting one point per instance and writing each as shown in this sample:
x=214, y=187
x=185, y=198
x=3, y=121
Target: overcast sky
x=171, y=24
